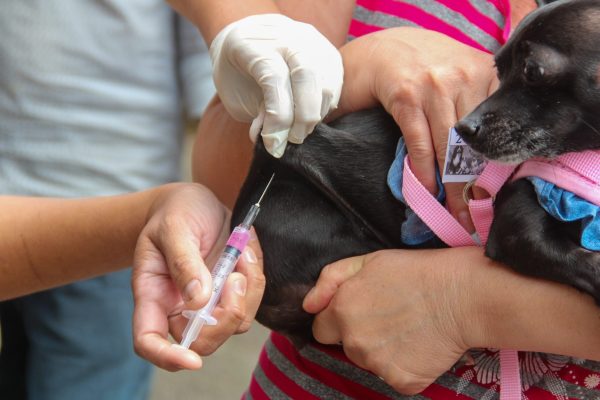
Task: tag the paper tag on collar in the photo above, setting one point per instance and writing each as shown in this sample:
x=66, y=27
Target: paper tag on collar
x=462, y=163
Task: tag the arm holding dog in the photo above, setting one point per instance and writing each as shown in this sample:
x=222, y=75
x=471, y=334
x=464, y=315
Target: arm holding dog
x=419, y=311
x=451, y=79
x=426, y=81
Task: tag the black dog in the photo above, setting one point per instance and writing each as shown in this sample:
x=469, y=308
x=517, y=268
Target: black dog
x=330, y=200
x=548, y=104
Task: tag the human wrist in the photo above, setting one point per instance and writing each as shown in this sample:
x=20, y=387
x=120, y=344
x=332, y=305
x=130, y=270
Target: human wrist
x=499, y=307
x=520, y=312
x=212, y=16
x=357, y=91
x=160, y=195
x=475, y=309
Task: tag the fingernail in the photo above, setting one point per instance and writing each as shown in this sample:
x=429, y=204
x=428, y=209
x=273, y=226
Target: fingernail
x=239, y=286
x=249, y=256
x=192, y=289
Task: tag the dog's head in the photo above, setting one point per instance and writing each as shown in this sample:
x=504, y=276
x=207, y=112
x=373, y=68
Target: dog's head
x=548, y=102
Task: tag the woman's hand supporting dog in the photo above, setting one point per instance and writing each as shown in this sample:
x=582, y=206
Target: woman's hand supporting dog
x=418, y=311
x=426, y=81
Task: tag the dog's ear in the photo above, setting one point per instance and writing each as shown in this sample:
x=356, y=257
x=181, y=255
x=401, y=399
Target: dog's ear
x=347, y=156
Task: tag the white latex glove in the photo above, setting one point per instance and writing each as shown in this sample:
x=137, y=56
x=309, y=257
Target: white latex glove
x=282, y=75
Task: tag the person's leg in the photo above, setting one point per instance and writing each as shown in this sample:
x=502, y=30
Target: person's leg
x=81, y=342
x=14, y=351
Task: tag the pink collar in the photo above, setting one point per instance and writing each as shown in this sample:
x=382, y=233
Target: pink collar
x=577, y=173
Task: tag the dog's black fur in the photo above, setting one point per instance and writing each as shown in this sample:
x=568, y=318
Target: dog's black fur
x=329, y=199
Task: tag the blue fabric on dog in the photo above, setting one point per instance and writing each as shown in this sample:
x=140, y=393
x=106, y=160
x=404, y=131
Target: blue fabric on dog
x=413, y=231
x=568, y=207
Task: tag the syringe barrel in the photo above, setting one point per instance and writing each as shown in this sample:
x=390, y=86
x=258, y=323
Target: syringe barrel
x=222, y=269
x=226, y=264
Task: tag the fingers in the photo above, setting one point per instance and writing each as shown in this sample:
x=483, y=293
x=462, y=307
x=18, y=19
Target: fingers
x=251, y=266
x=442, y=118
x=150, y=332
x=230, y=314
x=416, y=132
x=325, y=328
x=186, y=266
x=238, y=305
x=273, y=76
x=316, y=85
x=466, y=102
x=167, y=355
x=307, y=91
x=332, y=276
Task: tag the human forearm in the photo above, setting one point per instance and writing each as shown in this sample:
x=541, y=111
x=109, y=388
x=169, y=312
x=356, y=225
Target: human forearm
x=47, y=242
x=211, y=16
x=510, y=310
x=448, y=300
x=331, y=17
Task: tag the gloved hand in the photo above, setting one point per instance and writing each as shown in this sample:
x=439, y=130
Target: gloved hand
x=282, y=75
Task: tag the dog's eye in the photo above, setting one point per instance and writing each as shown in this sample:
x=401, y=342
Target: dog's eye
x=533, y=72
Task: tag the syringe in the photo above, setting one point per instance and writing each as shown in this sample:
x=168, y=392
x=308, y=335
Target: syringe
x=223, y=268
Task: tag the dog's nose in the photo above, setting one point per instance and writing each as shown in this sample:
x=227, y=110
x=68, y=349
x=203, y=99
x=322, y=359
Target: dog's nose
x=467, y=128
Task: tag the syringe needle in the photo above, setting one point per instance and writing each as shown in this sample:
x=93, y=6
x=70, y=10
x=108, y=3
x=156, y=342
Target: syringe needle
x=265, y=191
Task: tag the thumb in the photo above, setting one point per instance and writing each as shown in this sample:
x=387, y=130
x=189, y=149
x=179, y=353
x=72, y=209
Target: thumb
x=188, y=270
x=331, y=278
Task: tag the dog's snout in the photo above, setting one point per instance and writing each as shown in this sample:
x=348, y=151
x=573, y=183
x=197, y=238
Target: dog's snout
x=467, y=128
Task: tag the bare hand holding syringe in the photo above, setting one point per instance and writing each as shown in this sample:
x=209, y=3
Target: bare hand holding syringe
x=223, y=268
